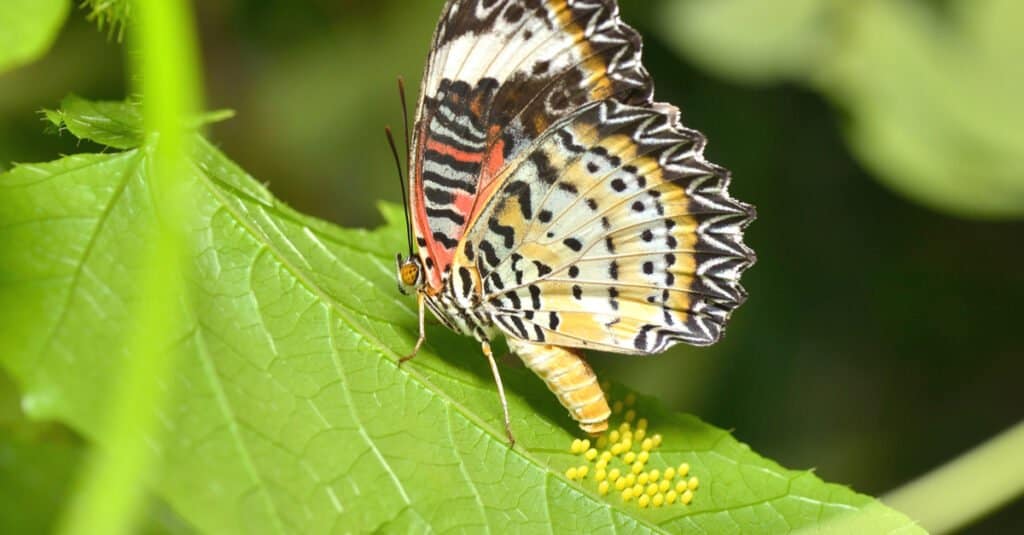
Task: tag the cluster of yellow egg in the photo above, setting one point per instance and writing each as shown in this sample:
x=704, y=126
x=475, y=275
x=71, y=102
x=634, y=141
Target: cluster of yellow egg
x=650, y=488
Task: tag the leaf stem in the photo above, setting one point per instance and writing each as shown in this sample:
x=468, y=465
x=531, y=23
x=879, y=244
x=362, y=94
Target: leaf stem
x=968, y=487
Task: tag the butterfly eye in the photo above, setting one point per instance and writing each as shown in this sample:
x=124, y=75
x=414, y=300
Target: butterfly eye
x=409, y=271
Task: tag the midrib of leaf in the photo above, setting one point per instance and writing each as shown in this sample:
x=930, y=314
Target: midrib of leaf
x=343, y=314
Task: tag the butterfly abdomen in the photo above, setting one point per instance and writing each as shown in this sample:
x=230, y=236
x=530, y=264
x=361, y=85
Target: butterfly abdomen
x=571, y=379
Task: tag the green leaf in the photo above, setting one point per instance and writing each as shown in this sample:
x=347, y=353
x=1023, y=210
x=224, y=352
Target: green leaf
x=38, y=461
x=36, y=464
x=291, y=413
x=933, y=96
x=114, y=124
x=748, y=40
x=29, y=28
x=936, y=109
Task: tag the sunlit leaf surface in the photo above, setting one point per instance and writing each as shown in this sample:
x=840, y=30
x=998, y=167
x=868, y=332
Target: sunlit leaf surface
x=292, y=414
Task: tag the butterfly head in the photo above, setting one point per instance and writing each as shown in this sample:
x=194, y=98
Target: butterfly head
x=409, y=272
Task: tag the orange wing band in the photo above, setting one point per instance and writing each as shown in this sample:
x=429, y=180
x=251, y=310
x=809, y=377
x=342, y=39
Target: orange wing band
x=571, y=379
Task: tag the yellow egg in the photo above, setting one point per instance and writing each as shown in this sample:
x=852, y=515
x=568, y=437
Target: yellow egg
x=683, y=469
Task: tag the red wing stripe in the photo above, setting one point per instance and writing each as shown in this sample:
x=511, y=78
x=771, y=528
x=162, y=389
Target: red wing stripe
x=461, y=155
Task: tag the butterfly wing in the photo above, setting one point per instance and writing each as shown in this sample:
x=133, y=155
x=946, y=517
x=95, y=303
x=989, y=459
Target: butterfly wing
x=500, y=72
x=611, y=232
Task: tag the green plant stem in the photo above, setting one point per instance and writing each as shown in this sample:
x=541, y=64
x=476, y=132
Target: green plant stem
x=110, y=495
x=968, y=487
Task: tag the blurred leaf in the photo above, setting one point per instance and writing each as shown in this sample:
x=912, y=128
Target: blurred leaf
x=29, y=27
x=933, y=97
x=34, y=478
x=113, y=124
x=748, y=40
x=936, y=106
x=291, y=412
x=37, y=465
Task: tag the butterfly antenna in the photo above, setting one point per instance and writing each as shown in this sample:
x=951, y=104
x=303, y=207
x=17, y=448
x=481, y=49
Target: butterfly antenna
x=405, y=117
x=402, y=186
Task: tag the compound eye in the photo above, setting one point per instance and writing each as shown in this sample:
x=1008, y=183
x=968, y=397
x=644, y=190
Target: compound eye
x=410, y=273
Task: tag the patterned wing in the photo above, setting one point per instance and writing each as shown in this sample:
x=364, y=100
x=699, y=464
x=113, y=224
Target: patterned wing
x=611, y=232
x=499, y=73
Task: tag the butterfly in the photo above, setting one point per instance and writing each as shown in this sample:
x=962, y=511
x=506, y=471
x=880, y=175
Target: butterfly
x=554, y=202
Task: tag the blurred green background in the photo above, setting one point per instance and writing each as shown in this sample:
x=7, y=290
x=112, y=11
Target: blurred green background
x=880, y=141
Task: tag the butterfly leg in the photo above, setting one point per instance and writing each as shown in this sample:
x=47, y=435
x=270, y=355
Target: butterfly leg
x=501, y=392
x=571, y=379
x=423, y=333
